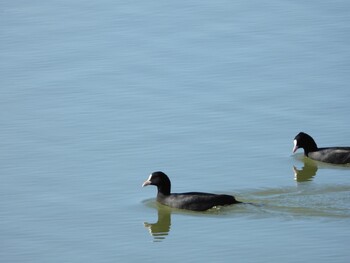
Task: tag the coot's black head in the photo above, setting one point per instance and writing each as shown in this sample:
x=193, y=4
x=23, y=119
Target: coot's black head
x=161, y=180
x=305, y=141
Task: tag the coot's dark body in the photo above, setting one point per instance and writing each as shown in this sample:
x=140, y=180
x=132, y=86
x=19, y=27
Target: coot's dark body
x=334, y=155
x=195, y=201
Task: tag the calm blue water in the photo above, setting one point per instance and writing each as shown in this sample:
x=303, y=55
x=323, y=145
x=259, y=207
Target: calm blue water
x=95, y=95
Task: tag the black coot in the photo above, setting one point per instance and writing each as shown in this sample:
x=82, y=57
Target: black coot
x=335, y=155
x=195, y=201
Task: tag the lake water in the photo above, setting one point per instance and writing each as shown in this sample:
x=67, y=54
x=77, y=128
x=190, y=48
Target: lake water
x=95, y=95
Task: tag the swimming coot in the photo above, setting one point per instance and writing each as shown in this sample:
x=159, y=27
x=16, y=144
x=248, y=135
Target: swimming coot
x=195, y=201
x=334, y=155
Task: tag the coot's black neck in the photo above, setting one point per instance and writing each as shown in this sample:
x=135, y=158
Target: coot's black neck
x=310, y=146
x=164, y=189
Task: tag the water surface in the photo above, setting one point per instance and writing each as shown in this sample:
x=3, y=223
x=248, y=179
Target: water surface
x=96, y=95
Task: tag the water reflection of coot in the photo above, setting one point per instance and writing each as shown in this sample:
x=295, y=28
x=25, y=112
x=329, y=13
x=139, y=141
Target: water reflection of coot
x=306, y=173
x=161, y=228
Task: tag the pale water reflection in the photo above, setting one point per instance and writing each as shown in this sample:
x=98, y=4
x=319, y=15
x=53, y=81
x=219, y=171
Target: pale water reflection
x=160, y=229
x=307, y=172
x=310, y=167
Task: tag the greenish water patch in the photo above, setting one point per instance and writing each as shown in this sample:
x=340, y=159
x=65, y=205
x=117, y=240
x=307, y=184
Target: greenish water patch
x=309, y=169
